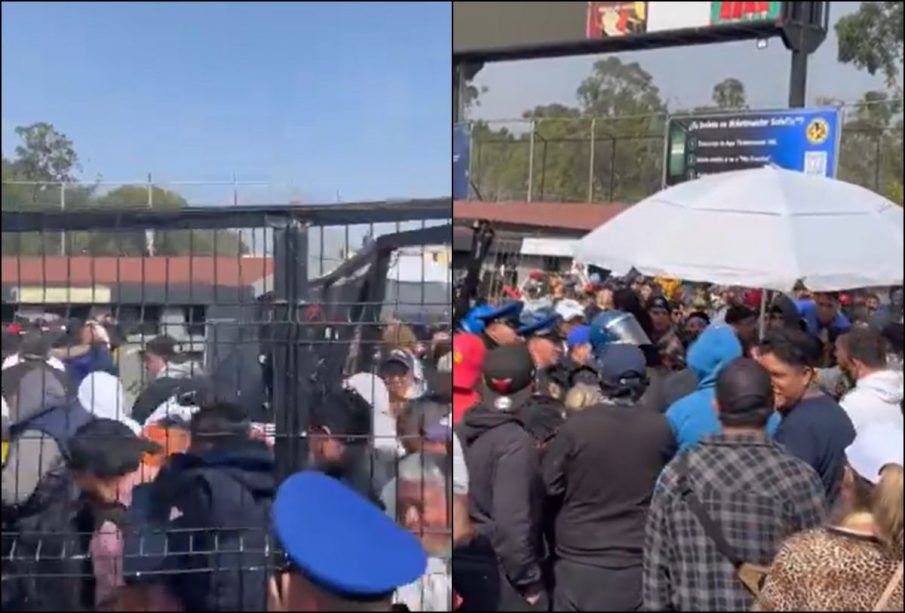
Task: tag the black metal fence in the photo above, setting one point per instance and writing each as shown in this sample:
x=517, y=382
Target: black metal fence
x=274, y=307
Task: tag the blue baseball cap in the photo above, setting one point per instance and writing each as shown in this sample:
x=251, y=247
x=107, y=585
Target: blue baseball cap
x=314, y=513
x=580, y=335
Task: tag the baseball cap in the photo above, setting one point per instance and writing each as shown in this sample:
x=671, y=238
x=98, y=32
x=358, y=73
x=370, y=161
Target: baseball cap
x=399, y=356
x=659, y=302
x=569, y=309
x=580, y=335
x=468, y=356
x=313, y=512
x=875, y=446
x=508, y=376
x=617, y=363
x=743, y=386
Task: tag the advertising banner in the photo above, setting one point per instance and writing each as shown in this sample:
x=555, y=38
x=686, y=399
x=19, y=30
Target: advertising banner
x=805, y=140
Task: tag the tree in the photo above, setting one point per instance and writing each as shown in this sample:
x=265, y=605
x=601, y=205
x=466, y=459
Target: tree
x=47, y=155
x=871, y=39
x=729, y=94
x=620, y=111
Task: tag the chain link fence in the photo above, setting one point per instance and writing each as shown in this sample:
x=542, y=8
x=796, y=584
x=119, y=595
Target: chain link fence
x=267, y=308
x=620, y=159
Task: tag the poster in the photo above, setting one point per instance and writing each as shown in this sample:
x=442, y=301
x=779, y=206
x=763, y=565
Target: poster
x=722, y=13
x=805, y=140
x=616, y=19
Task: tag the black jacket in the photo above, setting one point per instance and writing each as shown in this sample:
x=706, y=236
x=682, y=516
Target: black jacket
x=216, y=504
x=504, y=490
x=602, y=465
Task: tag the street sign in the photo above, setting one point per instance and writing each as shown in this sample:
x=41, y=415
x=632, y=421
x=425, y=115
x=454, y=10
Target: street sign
x=805, y=140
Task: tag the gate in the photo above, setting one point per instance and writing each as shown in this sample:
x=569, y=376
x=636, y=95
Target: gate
x=276, y=305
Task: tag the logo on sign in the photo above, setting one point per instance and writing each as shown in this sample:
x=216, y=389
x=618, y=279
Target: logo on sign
x=818, y=131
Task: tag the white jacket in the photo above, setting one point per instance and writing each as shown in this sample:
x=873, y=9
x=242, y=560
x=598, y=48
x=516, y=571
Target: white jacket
x=876, y=398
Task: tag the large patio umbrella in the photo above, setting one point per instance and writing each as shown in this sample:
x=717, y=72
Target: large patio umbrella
x=764, y=227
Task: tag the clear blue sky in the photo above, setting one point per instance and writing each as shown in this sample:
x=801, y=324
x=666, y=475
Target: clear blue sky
x=320, y=98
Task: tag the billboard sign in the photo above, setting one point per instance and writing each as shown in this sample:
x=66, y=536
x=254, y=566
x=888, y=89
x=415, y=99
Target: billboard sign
x=506, y=30
x=461, y=160
x=805, y=140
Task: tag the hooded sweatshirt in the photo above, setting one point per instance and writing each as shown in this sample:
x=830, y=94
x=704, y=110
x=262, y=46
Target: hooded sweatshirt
x=101, y=394
x=693, y=418
x=505, y=491
x=876, y=398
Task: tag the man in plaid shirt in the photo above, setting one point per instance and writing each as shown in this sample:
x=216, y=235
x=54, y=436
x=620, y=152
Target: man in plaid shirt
x=755, y=492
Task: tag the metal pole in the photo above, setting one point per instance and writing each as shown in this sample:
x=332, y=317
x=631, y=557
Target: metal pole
x=63, y=208
x=235, y=189
x=531, y=162
x=798, y=79
x=591, y=161
x=149, y=234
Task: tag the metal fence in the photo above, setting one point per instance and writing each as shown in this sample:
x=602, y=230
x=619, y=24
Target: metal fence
x=620, y=159
x=272, y=307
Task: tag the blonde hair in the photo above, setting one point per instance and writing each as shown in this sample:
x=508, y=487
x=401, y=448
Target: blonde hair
x=582, y=396
x=886, y=507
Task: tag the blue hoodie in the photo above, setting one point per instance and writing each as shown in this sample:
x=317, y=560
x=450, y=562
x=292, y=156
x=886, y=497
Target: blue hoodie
x=692, y=418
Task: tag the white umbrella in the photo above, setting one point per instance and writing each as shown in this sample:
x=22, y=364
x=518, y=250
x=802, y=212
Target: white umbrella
x=764, y=227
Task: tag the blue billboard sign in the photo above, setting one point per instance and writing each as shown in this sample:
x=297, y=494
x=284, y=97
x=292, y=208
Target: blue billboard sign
x=805, y=140
x=461, y=160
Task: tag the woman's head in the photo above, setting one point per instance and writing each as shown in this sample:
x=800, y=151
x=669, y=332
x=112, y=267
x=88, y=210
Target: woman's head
x=872, y=482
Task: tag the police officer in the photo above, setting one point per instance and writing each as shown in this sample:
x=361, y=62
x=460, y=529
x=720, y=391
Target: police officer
x=341, y=552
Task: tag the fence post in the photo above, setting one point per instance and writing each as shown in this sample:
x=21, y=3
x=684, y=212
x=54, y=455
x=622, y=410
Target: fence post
x=63, y=208
x=591, y=161
x=531, y=161
x=149, y=234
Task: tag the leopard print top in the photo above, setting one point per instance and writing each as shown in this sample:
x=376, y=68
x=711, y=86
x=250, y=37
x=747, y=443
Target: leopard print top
x=829, y=570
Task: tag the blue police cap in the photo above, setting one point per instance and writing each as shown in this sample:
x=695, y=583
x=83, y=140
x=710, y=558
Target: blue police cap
x=538, y=322
x=341, y=541
x=478, y=317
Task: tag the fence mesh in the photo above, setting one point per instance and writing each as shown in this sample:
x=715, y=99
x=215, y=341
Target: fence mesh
x=268, y=309
x=620, y=159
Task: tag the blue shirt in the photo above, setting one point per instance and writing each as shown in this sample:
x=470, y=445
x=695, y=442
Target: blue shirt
x=817, y=430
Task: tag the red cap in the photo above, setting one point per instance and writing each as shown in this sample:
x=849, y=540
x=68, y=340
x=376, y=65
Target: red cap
x=845, y=299
x=468, y=359
x=537, y=275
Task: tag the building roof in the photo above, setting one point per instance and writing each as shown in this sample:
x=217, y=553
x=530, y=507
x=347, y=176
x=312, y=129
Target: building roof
x=86, y=270
x=579, y=218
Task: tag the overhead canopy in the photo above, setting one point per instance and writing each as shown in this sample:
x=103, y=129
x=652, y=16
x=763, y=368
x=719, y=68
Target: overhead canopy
x=765, y=227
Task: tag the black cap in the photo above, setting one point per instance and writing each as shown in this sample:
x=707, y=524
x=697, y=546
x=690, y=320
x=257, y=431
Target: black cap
x=400, y=357
x=107, y=448
x=164, y=346
x=743, y=386
x=659, y=302
x=508, y=376
x=620, y=363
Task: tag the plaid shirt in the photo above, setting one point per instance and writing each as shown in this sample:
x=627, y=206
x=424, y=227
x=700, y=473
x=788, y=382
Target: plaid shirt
x=754, y=491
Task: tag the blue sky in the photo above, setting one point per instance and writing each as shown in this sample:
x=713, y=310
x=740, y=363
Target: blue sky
x=320, y=98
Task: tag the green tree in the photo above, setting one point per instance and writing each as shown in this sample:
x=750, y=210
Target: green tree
x=729, y=94
x=620, y=114
x=871, y=39
x=871, y=145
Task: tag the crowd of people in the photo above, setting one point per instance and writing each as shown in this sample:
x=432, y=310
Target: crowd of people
x=172, y=501
x=647, y=444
